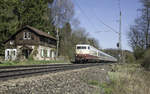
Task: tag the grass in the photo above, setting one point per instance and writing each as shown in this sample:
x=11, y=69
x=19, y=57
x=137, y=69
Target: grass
x=125, y=79
x=93, y=82
x=128, y=79
x=30, y=62
x=107, y=89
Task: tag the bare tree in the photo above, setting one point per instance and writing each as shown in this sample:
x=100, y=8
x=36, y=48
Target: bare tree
x=94, y=42
x=139, y=35
x=146, y=17
x=62, y=11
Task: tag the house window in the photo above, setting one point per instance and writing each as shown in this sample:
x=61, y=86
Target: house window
x=14, y=53
x=27, y=35
x=42, y=53
x=8, y=53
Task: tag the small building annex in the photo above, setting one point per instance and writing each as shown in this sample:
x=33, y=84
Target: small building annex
x=30, y=42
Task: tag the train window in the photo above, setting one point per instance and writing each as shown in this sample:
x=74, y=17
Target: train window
x=88, y=47
x=79, y=47
x=102, y=55
x=83, y=47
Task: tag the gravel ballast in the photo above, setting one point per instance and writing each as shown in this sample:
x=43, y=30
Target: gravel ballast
x=67, y=82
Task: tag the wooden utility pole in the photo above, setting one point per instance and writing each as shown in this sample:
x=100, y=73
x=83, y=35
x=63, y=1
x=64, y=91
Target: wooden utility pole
x=57, y=30
x=57, y=36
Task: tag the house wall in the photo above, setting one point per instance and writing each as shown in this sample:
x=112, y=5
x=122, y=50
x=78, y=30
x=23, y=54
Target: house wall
x=41, y=53
x=20, y=38
x=46, y=47
x=45, y=53
x=37, y=52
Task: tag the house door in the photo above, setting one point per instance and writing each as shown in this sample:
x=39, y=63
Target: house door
x=26, y=53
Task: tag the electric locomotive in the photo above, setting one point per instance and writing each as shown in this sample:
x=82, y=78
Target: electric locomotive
x=87, y=53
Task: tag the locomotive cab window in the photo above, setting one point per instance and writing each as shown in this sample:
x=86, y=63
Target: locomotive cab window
x=81, y=47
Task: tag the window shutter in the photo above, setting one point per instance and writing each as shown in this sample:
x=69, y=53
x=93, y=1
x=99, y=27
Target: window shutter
x=42, y=53
x=48, y=53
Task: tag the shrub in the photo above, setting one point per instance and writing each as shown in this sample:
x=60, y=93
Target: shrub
x=146, y=60
x=138, y=53
x=129, y=57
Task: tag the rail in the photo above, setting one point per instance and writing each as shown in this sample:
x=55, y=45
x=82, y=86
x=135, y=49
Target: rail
x=13, y=72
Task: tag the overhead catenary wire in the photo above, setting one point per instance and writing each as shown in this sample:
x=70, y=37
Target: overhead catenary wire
x=84, y=13
x=98, y=19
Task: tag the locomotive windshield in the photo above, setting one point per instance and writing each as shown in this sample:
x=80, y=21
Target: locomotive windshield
x=81, y=47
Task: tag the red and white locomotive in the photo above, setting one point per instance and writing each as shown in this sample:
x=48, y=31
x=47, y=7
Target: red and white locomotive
x=86, y=53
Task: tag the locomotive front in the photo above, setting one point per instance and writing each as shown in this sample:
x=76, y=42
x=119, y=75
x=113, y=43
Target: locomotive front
x=81, y=53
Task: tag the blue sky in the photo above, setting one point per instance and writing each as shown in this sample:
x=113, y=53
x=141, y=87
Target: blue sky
x=108, y=12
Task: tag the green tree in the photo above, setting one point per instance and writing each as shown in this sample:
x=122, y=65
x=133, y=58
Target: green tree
x=15, y=14
x=93, y=42
x=8, y=21
x=34, y=13
x=66, y=46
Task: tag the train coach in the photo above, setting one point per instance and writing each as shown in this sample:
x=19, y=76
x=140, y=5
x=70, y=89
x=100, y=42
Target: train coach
x=86, y=53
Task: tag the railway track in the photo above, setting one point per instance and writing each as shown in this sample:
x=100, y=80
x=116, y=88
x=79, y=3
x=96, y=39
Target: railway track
x=13, y=72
